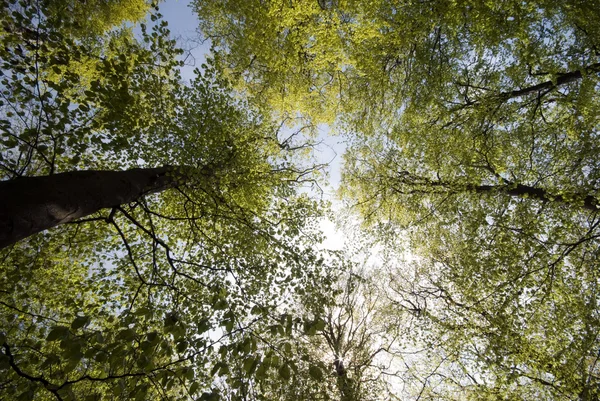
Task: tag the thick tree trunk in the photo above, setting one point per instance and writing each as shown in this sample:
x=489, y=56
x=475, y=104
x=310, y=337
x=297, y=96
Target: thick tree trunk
x=29, y=205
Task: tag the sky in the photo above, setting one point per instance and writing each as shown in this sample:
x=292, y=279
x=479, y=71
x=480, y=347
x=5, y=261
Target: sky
x=183, y=25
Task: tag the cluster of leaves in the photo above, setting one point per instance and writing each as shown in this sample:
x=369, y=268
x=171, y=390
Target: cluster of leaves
x=336, y=352
x=69, y=101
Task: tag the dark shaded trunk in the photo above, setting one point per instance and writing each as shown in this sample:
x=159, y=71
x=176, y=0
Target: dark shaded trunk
x=414, y=184
x=561, y=79
x=346, y=388
x=29, y=205
x=588, y=202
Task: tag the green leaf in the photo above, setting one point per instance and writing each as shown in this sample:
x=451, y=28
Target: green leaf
x=319, y=325
x=101, y=357
x=285, y=372
x=250, y=365
x=182, y=346
x=221, y=304
x=219, y=366
x=58, y=333
x=275, y=360
x=141, y=392
x=228, y=324
x=212, y=396
x=152, y=337
x=315, y=372
x=73, y=352
x=126, y=335
x=79, y=322
x=26, y=395
x=261, y=370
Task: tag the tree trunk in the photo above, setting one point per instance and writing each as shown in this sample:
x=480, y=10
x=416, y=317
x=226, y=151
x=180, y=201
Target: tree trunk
x=561, y=79
x=587, y=202
x=423, y=185
x=29, y=205
x=346, y=388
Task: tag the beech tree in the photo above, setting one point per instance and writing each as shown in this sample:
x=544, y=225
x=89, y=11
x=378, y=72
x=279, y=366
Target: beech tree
x=150, y=227
x=343, y=355
x=472, y=131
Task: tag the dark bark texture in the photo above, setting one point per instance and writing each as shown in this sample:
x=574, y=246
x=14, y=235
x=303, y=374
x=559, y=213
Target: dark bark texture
x=29, y=205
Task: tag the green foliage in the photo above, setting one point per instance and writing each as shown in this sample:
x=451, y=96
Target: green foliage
x=95, y=17
x=473, y=144
x=379, y=59
x=472, y=131
x=145, y=300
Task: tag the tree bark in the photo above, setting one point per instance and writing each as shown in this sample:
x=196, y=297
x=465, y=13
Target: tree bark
x=587, y=202
x=561, y=79
x=29, y=205
x=417, y=184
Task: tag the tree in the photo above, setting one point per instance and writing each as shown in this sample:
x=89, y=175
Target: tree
x=331, y=57
x=500, y=247
x=94, y=17
x=473, y=143
x=126, y=298
x=511, y=328
x=336, y=351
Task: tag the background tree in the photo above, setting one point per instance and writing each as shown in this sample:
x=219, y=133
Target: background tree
x=473, y=143
x=378, y=59
x=94, y=17
x=518, y=339
x=338, y=350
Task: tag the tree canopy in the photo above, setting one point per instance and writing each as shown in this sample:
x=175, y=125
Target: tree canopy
x=160, y=239
x=199, y=230
x=472, y=131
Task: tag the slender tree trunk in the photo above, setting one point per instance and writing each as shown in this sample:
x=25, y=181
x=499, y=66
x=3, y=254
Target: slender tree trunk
x=416, y=184
x=346, y=388
x=588, y=202
x=561, y=79
x=29, y=205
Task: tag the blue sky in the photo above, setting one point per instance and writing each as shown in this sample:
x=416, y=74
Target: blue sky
x=183, y=25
